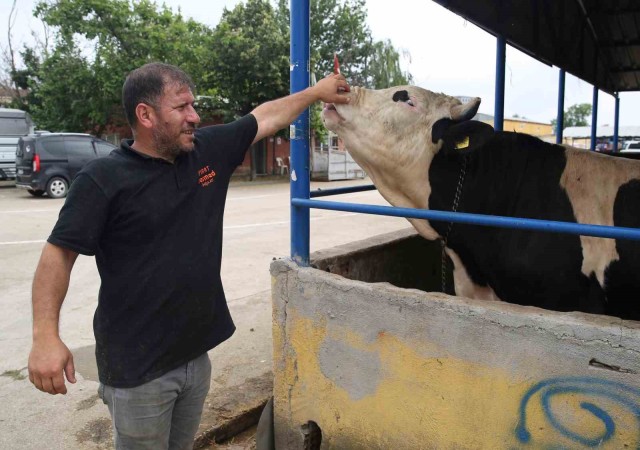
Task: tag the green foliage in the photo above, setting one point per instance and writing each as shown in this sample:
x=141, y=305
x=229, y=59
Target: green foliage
x=340, y=27
x=78, y=90
x=22, y=78
x=383, y=67
x=250, y=56
x=75, y=85
x=575, y=116
x=69, y=103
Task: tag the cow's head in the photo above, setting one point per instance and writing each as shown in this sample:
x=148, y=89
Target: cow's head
x=401, y=122
x=394, y=133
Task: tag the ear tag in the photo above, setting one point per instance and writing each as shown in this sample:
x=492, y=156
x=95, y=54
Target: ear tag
x=463, y=143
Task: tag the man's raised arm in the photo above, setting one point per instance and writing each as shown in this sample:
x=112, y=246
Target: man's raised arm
x=277, y=114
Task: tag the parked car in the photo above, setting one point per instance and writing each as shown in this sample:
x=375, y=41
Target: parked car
x=48, y=162
x=13, y=125
x=631, y=145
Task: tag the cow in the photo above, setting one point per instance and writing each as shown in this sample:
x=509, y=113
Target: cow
x=422, y=150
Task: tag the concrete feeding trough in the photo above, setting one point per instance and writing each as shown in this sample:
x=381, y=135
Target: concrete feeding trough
x=367, y=355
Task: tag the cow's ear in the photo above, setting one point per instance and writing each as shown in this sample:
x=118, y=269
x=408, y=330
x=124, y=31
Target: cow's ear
x=439, y=129
x=465, y=137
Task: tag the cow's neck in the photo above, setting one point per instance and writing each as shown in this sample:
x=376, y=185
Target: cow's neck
x=406, y=185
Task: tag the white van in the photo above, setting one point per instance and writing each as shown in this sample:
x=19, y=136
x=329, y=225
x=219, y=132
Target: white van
x=631, y=145
x=13, y=125
x=630, y=149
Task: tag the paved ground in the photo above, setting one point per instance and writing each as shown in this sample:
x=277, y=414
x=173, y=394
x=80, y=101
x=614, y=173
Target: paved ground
x=256, y=231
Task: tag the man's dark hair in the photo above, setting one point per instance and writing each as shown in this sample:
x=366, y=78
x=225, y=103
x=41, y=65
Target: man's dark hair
x=146, y=85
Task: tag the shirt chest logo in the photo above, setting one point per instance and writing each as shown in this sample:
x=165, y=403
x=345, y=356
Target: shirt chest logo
x=206, y=175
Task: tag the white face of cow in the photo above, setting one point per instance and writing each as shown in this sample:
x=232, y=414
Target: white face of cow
x=389, y=134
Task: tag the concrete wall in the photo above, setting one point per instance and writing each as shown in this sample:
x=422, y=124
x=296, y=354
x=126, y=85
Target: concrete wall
x=376, y=366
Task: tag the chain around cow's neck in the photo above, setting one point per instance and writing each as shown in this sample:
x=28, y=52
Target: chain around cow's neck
x=456, y=203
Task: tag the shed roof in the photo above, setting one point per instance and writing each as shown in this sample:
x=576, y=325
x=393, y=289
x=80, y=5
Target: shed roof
x=603, y=131
x=597, y=41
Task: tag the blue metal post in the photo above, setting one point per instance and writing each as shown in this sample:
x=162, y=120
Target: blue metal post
x=501, y=51
x=299, y=131
x=560, y=118
x=616, y=119
x=594, y=118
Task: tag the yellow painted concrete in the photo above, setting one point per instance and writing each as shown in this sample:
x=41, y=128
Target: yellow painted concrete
x=425, y=398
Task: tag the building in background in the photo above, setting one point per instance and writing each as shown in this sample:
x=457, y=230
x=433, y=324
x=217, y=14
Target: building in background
x=581, y=137
x=543, y=130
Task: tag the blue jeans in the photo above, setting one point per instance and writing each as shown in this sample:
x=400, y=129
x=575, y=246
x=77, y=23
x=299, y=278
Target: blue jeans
x=163, y=413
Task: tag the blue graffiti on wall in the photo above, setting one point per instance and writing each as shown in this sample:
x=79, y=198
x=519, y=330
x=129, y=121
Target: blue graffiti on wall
x=620, y=393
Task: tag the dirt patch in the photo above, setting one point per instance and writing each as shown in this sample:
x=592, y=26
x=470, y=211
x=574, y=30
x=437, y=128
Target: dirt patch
x=98, y=432
x=232, y=411
x=87, y=403
x=16, y=375
x=244, y=441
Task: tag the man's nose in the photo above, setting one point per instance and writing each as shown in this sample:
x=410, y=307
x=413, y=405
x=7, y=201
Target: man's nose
x=193, y=116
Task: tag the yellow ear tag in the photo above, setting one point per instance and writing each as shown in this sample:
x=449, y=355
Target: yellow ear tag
x=463, y=143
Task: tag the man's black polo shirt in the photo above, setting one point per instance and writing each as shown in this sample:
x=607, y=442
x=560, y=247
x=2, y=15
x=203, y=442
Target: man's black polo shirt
x=155, y=229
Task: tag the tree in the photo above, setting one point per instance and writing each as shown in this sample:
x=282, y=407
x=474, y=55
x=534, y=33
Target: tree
x=340, y=26
x=575, y=116
x=249, y=56
x=13, y=77
x=68, y=108
x=383, y=67
x=9, y=57
x=241, y=63
x=115, y=36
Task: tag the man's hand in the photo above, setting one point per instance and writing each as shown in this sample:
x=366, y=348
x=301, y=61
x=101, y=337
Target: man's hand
x=47, y=361
x=277, y=114
x=331, y=89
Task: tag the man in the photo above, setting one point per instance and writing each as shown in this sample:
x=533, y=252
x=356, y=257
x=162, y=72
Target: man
x=151, y=213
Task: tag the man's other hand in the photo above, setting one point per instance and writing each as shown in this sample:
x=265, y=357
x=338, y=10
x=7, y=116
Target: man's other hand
x=47, y=362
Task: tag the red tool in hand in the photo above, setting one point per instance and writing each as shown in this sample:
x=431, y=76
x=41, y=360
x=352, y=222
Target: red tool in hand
x=336, y=64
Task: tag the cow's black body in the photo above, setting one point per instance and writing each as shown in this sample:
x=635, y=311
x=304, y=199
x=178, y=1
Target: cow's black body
x=518, y=175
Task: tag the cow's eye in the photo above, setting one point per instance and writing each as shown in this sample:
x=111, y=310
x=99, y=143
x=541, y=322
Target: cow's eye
x=402, y=96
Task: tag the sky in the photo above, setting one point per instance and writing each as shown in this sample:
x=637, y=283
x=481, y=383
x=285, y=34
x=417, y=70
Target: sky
x=445, y=54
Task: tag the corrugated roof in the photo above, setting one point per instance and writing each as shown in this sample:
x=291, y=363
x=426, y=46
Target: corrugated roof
x=596, y=40
x=604, y=131
x=489, y=118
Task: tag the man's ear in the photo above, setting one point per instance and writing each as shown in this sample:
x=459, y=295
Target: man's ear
x=463, y=137
x=145, y=115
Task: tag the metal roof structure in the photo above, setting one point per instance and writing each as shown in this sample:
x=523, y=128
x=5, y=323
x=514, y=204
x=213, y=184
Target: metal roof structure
x=601, y=132
x=597, y=41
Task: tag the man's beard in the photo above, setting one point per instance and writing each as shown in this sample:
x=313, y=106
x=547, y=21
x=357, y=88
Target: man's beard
x=167, y=145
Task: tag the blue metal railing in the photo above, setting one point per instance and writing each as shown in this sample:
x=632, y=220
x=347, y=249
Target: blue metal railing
x=476, y=219
x=345, y=190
